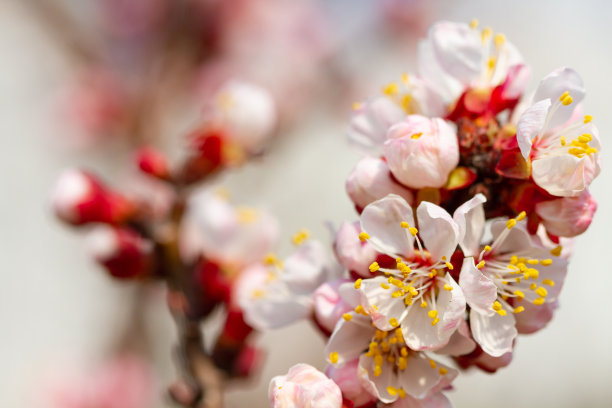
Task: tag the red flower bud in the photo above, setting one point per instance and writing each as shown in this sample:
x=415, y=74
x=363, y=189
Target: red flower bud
x=122, y=251
x=153, y=163
x=80, y=198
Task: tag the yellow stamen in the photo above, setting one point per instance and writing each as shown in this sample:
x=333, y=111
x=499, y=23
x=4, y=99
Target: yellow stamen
x=567, y=100
x=449, y=265
x=519, y=309
x=432, y=314
x=541, y=291
x=364, y=236
x=499, y=40
x=392, y=390
x=443, y=371
x=393, y=322
x=480, y=264
x=374, y=267
x=357, y=283
x=448, y=287
x=333, y=357
x=521, y=216
x=556, y=251
x=300, y=236
x=416, y=135
x=347, y=317
x=539, y=301
x=413, y=231
x=548, y=282
x=432, y=363
x=588, y=118
x=474, y=23
x=510, y=223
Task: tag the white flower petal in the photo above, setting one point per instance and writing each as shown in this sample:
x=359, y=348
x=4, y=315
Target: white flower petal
x=480, y=292
x=494, y=333
x=350, y=338
x=307, y=268
x=460, y=343
x=436, y=400
x=470, y=220
x=419, y=378
x=438, y=230
x=531, y=124
x=381, y=221
x=370, y=122
x=565, y=175
x=380, y=304
x=554, y=85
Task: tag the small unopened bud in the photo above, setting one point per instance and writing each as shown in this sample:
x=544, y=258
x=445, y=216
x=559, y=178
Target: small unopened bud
x=206, y=155
x=304, y=386
x=153, y=163
x=80, y=198
x=123, y=252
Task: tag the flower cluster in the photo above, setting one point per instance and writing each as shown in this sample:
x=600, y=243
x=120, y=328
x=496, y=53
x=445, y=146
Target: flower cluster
x=468, y=192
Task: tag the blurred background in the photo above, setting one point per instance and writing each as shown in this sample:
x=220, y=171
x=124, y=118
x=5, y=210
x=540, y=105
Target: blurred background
x=58, y=311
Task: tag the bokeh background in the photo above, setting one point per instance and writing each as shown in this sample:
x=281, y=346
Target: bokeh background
x=57, y=308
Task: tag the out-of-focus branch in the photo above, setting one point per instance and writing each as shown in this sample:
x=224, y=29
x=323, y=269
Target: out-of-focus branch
x=62, y=26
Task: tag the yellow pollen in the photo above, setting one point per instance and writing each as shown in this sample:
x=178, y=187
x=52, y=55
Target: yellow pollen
x=510, y=223
x=548, y=282
x=404, y=352
x=487, y=248
x=384, y=285
x=491, y=62
x=357, y=283
x=567, y=100
x=563, y=96
x=270, y=259
x=377, y=371
x=408, y=300
x=333, y=357
x=397, y=294
x=497, y=306
x=363, y=236
x=486, y=33
x=392, y=390
x=374, y=267
x=539, y=301
x=519, y=294
x=432, y=363
x=432, y=314
x=246, y=215
x=480, y=264
x=356, y=105
x=588, y=118
x=563, y=142
x=423, y=304
x=391, y=89
x=405, y=78
x=402, y=363
x=533, y=261
x=300, y=236
x=416, y=135
x=443, y=371
x=585, y=138
x=448, y=287
x=541, y=291
x=412, y=290
x=401, y=393
x=519, y=309
x=521, y=216
x=533, y=286
x=347, y=317
x=258, y=294
x=474, y=23
x=449, y=265
x=360, y=310
x=501, y=312
x=435, y=321
x=499, y=40
x=404, y=224
x=413, y=231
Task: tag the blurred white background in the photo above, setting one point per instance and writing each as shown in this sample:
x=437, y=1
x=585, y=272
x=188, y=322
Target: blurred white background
x=55, y=304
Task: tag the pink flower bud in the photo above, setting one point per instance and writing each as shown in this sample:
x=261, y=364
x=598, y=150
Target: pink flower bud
x=80, y=198
x=345, y=375
x=353, y=253
x=568, y=216
x=123, y=252
x=153, y=163
x=328, y=305
x=304, y=386
x=421, y=152
x=371, y=180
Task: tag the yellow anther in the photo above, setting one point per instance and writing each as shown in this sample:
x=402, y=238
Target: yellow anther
x=412, y=290
x=563, y=96
x=347, y=317
x=505, y=297
x=384, y=285
x=405, y=78
x=497, y=306
x=533, y=261
x=519, y=309
x=404, y=352
x=392, y=340
x=501, y=312
x=521, y=216
x=373, y=345
x=449, y=265
x=532, y=273
x=408, y=300
x=300, y=236
x=432, y=314
x=448, y=287
x=392, y=390
x=270, y=259
x=356, y=106
x=474, y=23
x=374, y=266
x=539, y=301
x=480, y=264
x=443, y=371
x=401, y=393
x=510, y=223
x=576, y=151
x=487, y=248
x=519, y=294
x=585, y=138
x=364, y=236
x=413, y=231
x=397, y=294
x=499, y=40
x=556, y=251
x=333, y=357
x=563, y=142
x=491, y=62
x=377, y=371
x=402, y=363
x=258, y=294
x=357, y=283
x=432, y=363
x=533, y=286
x=588, y=118
x=423, y=304
x=549, y=282
x=541, y=291
x=404, y=224
x=360, y=310
x=378, y=359
x=432, y=273
x=486, y=33
x=567, y=100
x=416, y=135
x=246, y=215
x=391, y=89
